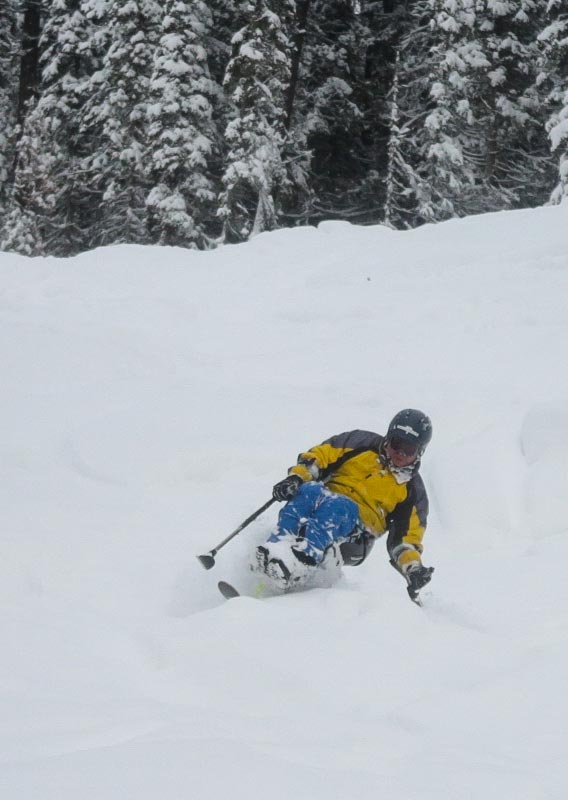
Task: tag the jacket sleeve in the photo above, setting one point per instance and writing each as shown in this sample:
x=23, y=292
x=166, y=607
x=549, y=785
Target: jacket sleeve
x=318, y=461
x=312, y=464
x=407, y=524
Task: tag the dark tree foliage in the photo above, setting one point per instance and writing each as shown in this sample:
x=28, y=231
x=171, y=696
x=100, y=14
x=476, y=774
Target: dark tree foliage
x=355, y=56
x=227, y=18
x=29, y=63
x=50, y=207
x=553, y=81
x=327, y=107
x=8, y=96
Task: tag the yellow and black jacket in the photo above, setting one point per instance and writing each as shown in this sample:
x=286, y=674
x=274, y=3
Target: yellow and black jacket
x=353, y=464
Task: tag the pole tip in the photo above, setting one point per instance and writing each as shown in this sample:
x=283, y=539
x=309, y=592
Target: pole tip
x=206, y=561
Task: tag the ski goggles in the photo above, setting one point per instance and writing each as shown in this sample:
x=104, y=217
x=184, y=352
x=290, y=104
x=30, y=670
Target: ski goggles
x=399, y=445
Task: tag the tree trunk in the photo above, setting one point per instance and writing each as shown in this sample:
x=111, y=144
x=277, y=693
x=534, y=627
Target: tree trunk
x=29, y=65
x=303, y=9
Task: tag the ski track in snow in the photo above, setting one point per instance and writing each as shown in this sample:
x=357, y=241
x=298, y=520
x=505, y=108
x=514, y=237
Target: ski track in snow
x=151, y=398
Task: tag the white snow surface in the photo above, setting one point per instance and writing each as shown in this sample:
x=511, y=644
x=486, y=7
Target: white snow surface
x=150, y=399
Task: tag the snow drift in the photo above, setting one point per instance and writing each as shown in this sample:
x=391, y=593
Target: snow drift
x=151, y=397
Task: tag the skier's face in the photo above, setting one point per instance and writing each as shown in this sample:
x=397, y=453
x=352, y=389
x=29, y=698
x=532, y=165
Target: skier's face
x=401, y=453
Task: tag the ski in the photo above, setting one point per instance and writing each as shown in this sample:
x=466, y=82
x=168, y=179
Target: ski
x=259, y=590
x=227, y=590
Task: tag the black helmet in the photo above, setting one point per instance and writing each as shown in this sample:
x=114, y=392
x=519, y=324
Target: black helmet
x=412, y=426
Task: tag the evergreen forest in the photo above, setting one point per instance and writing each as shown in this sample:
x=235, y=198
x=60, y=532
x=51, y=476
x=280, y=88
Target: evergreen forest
x=193, y=123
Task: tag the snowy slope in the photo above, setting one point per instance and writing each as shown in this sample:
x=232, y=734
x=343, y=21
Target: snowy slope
x=151, y=397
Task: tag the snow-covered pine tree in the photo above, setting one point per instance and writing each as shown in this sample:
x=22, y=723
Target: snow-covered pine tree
x=518, y=151
x=227, y=17
x=448, y=174
x=257, y=79
x=553, y=79
x=298, y=39
x=22, y=231
x=181, y=133
x=408, y=191
x=49, y=185
x=488, y=148
x=115, y=119
x=8, y=97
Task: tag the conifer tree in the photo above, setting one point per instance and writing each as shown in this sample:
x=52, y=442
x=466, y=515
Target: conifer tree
x=256, y=80
x=410, y=36
x=8, y=97
x=115, y=120
x=31, y=25
x=450, y=129
x=227, y=17
x=181, y=132
x=407, y=193
x=488, y=149
x=23, y=231
x=518, y=162
x=48, y=198
x=554, y=80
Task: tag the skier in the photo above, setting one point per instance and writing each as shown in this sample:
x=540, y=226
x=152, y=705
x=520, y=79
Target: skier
x=345, y=493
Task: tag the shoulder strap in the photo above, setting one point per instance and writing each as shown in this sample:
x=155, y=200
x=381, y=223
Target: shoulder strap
x=326, y=473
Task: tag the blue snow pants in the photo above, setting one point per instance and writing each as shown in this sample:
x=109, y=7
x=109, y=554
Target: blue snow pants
x=319, y=517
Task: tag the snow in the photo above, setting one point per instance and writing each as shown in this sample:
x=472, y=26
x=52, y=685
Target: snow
x=559, y=131
x=152, y=396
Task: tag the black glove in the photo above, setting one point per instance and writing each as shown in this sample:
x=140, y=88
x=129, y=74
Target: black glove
x=418, y=576
x=287, y=488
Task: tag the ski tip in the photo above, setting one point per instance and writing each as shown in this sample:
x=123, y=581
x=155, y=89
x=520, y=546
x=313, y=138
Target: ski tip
x=227, y=590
